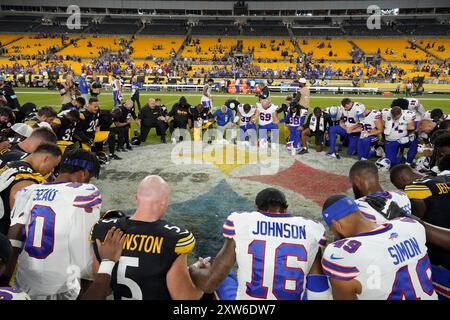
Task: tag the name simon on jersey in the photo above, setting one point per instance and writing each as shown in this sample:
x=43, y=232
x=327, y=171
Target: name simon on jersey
x=280, y=230
x=404, y=250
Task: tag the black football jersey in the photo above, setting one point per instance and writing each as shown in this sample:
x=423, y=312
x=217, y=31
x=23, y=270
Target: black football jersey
x=149, y=250
x=88, y=122
x=24, y=172
x=65, y=128
x=435, y=192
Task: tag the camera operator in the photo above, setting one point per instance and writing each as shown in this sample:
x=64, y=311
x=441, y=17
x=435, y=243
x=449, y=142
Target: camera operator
x=68, y=90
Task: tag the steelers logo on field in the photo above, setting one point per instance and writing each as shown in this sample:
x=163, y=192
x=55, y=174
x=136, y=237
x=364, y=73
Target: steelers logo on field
x=208, y=182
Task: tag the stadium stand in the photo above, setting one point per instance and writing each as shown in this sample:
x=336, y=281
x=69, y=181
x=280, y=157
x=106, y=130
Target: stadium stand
x=92, y=47
x=391, y=49
x=334, y=49
x=145, y=47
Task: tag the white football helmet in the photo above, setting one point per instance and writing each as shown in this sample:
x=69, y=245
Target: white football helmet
x=383, y=164
x=9, y=293
x=423, y=164
x=333, y=112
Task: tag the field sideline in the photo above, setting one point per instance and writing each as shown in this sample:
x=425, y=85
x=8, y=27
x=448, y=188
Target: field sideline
x=43, y=97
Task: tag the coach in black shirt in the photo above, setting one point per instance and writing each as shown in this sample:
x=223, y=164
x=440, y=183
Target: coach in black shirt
x=7, y=95
x=153, y=116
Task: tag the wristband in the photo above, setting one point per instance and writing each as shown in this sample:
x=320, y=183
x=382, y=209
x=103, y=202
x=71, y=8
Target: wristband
x=16, y=243
x=106, y=266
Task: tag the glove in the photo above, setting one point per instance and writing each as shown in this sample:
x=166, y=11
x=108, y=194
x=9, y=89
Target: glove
x=6, y=178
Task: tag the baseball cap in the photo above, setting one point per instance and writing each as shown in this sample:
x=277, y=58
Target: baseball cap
x=45, y=124
x=22, y=129
x=339, y=209
x=302, y=80
x=5, y=248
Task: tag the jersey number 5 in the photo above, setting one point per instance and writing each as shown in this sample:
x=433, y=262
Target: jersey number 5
x=282, y=273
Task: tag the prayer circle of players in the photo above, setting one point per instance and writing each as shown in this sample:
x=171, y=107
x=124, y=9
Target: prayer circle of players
x=227, y=134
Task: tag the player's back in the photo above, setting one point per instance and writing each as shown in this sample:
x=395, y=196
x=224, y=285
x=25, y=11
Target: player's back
x=399, y=197
x=274, y=253
x=350, y=116
x=368, y=123
x=149, y=251
x=57, y=218
x=390, y=262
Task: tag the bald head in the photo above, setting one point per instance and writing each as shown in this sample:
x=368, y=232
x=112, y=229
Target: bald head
x=152, y=198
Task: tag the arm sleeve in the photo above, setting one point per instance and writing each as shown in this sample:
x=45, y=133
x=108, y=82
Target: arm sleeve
x=88, y=197
x=419, y=191
x=342, y=269
x=229, y=230
x=20, y=213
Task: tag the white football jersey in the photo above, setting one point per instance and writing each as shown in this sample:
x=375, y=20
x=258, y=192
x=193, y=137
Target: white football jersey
x=368, y=122
x=116, y=85
x=390, y=262
x=208, y=91
x=350, y=117
x=416, y=107
x=245, y=117
x=397, y=129
x=399, y=197
x=274, y=253
x=58, y=218
x=266, y=115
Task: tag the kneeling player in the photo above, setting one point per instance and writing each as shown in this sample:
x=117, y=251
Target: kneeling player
x=316, y=125
x=255, y=240
x=294, y=120
x=267, y=114
x=375, y=262
x=399, y=130
x=52, y=222
x=371, y=126
x=348, y=128
x=247, y=126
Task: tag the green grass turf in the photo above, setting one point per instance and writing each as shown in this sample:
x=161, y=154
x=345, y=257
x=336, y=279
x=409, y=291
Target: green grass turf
x=43, y=97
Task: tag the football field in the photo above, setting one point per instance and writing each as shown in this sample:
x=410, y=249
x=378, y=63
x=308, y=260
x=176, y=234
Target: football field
x=203, y=193
x=43, y=97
